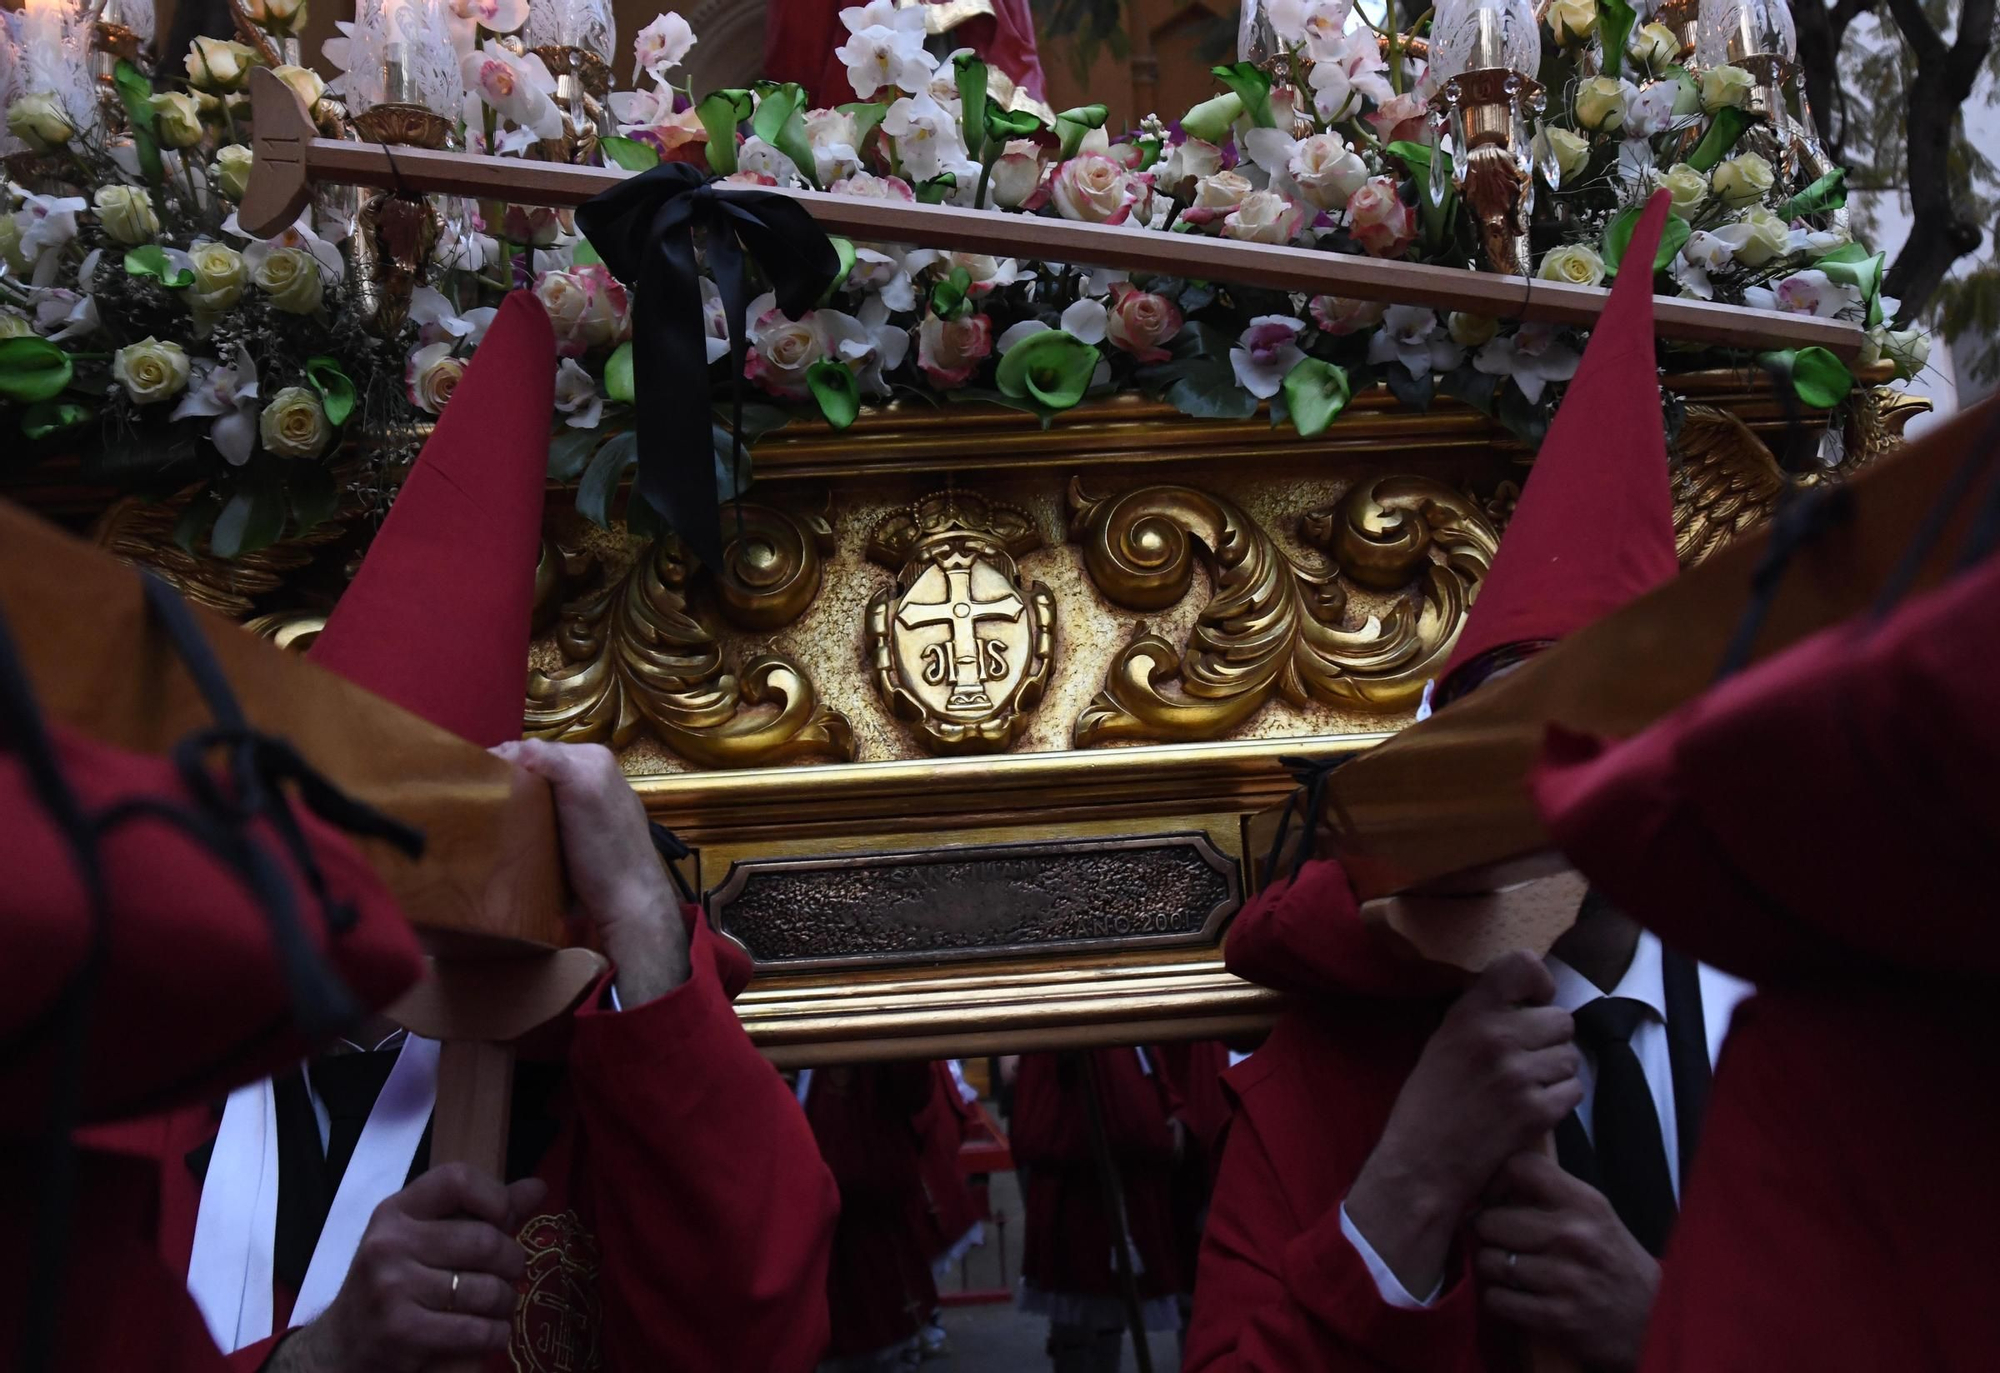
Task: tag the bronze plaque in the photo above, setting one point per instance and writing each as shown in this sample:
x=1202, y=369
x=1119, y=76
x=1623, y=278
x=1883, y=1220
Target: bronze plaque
x=978, y=901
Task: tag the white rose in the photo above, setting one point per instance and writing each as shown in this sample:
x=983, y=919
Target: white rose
x=293, y=425
x=126, y=213
x=305, y=83
x=1571, y=150
x=1742, y=180
x=1655, y=46
x=219, y=277
x=1721, y=86
x=1909, y=349
x=232, y=170
x=431, y=375
x=1094, y=188
x=1576, y=263
x=39, y=121
x=1688, y=187
x=588, y=308
x=1017, y=175
x=1264, y=217
x=1600, y=103
x=1190, y=161
x=1327, y=170
x=218, y=64
x=291, y=278
x=1572, y=21
x=1756, y=238
x=177, y=119
x=1216, y=195
x=149, y=370
x=782, y=350
x=1471, y=331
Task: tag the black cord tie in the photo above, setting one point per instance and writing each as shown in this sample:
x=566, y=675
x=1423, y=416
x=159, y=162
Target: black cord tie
x=643, y=229
x=1305, y=803
x=671, y=850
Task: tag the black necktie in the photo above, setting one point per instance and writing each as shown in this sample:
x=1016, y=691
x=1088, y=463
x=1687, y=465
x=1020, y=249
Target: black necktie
x=347, y=1085
x=1631, y=1160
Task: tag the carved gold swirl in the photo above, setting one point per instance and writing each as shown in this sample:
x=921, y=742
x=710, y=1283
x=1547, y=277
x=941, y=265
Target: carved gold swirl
x=142, y=533
x=638, y=657
x=773, y=566
x=1274, y=628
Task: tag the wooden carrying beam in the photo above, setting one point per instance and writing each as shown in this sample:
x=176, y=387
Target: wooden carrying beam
x=1443, y=806
x=291, y=158
x=490, y=880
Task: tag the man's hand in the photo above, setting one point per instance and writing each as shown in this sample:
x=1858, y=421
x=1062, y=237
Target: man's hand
x=1495, y=1077
x=396, y=1309
x=1558, y=1262
x=617, y=875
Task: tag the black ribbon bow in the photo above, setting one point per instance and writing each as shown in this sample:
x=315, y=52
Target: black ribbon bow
x=643, y=228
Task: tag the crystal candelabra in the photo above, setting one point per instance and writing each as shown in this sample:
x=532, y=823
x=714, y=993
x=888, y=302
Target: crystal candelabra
x=1756, y=35
x=576, y=40
x=1482, y=52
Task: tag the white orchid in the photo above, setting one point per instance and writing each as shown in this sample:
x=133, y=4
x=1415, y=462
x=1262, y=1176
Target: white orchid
x=1650, y=109
x=661, y=46
x=577, y=396
x=437, y=320
x=927, y=136
x=227, y=392
x=1413, y=336
x=1533, y=356
x=518, y=89
x=1352, y=67
x=758, y=156
x=300, y=235
x=495, y=16
x=1323, y=24
x=1266, y=353
x=1810, y=292
x=866, y=342
x=641, y=109
x=47, y=224
x=1817, y=242
x=884, y=272
x=885, y=47
x=63, y=314
x=715, y=320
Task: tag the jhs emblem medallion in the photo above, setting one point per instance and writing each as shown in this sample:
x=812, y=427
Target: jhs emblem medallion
x=555, y=1322
x=959, y=643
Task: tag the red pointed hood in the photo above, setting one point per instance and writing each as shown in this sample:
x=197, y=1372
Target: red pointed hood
x=1595, y=524
x=437, y=620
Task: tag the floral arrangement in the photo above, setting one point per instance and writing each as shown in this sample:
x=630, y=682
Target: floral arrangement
x=139, y=312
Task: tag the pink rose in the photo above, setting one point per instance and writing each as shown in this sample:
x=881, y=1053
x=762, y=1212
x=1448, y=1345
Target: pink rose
x=748, y=179
x=950, y=351
x=677, y=138
x=587, y=307
x=1379, y=220
x=1095, y=189
x=1342, y=315
x=1141, y=321
x=1401, y=118
x=1216, y=195
x=1264, y=217
x=873, y=187
x=782, y=349
x=1017, y=175
x=537, y=225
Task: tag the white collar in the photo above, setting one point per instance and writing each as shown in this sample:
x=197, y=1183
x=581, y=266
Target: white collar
x=1643, y=980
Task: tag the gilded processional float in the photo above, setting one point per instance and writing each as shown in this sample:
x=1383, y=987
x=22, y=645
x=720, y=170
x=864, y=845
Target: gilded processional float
x=997, y=587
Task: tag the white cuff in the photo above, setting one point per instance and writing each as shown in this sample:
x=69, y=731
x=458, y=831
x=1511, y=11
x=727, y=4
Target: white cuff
x=1386, y=1282
x=614, y=998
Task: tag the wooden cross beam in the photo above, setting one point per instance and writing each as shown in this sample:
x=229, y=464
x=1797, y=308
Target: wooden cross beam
x=291, y=158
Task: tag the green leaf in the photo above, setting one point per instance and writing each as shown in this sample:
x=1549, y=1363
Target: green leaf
x=867, y=115
x=600, y=481
x=46, y=417
x=1073, y=124
x=780, y=120
x=832, y=385
x=1820, y=379
x=196, y=519
x=1207, y=389
x=335, y=387
x=1618, y=236
x=618, y=374
x=1210, y=121
x=253, y=517
x=1315, y=393
x=971, y=102
x=1827, y=193
x=1853, y=265
x=313, y=494
x=1614, y=26
x=1003, y=124
x=33, y=369
x=934, y=191
x=1053, y=368
x=1416, y=157
x=844, y=249
x=135, y=93
x=1252, y=86
x=629, y=153
x=569, y=452
x=720, y=112
x=151, y=260
x=948, y=295
x=1730, y=124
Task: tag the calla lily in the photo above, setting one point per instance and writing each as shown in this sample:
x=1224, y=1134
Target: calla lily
x=1051, y=367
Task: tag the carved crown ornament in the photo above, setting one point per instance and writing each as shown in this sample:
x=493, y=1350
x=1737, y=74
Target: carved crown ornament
x=959, y=644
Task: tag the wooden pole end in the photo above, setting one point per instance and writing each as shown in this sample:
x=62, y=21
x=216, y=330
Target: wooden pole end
x=278, y=188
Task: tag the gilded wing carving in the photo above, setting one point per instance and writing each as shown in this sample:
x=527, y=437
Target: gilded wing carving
x=637, y=657
x=1724, y=482
x=1274, y=628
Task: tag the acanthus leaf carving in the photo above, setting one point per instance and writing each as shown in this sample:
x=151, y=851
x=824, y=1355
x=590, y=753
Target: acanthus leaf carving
x=1274, y=628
